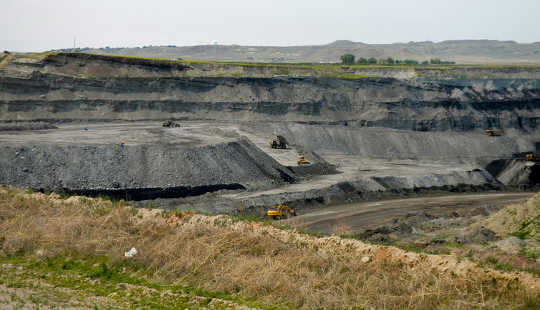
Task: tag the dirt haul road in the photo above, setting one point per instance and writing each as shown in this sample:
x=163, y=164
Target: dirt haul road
x=359, y=217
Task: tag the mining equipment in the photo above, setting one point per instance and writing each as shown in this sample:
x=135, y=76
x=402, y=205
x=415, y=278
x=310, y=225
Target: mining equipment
x=278, y=143
x=494, y=133
x=527, y=156
x=170, y=124
x=301, y=161
x=281, y=211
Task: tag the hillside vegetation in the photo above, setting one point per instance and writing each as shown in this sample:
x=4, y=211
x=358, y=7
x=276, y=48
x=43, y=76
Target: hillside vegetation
x=77, y=244
x=85, y=65
x=460, y=51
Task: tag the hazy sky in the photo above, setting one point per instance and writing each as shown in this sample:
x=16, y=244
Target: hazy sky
x=37, y=25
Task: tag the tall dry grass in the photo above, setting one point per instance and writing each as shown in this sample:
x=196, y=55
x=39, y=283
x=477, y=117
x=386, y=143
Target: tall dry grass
x=244, y=261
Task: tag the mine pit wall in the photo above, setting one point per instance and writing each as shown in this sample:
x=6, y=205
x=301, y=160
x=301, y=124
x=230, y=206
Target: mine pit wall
x=418, y=104
x=138, y=169
x=432, y=115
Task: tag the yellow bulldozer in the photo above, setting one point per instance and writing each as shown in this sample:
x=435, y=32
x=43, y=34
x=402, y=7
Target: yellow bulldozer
x=301, y=161
x=281, y=211
x=278, y=143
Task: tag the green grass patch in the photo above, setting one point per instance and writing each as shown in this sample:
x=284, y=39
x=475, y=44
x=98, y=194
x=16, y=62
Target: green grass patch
x=527, y=227
x=283, y=68
x=529, y=253
x=520, y=234
x=310, y=233
x=96, y=277
x=453, y=244
x=496, y=264
x=348, y=76
x=250, y=217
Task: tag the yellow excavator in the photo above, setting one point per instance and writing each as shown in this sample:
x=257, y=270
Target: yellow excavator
x=281, y=211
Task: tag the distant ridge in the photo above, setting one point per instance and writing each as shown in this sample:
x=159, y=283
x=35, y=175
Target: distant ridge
x=460, y=51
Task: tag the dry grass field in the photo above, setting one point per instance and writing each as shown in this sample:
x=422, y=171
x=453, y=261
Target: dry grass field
x=220, y=262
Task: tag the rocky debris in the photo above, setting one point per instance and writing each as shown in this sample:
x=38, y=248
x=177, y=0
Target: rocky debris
x=18, y=126
x=515, y=171
x=421, y=227
x=511, y=245
x=445, y=223
x=479, y=235
x=399, y=228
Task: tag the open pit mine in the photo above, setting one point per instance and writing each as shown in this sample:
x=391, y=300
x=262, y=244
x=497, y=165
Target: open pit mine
x=198, y=136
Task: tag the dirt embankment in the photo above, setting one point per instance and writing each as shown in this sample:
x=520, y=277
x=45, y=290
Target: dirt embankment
x=395, y=218
x=127, y=171
x=498, y=230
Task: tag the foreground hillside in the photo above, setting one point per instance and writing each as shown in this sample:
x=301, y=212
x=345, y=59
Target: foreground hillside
x=69, y=252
